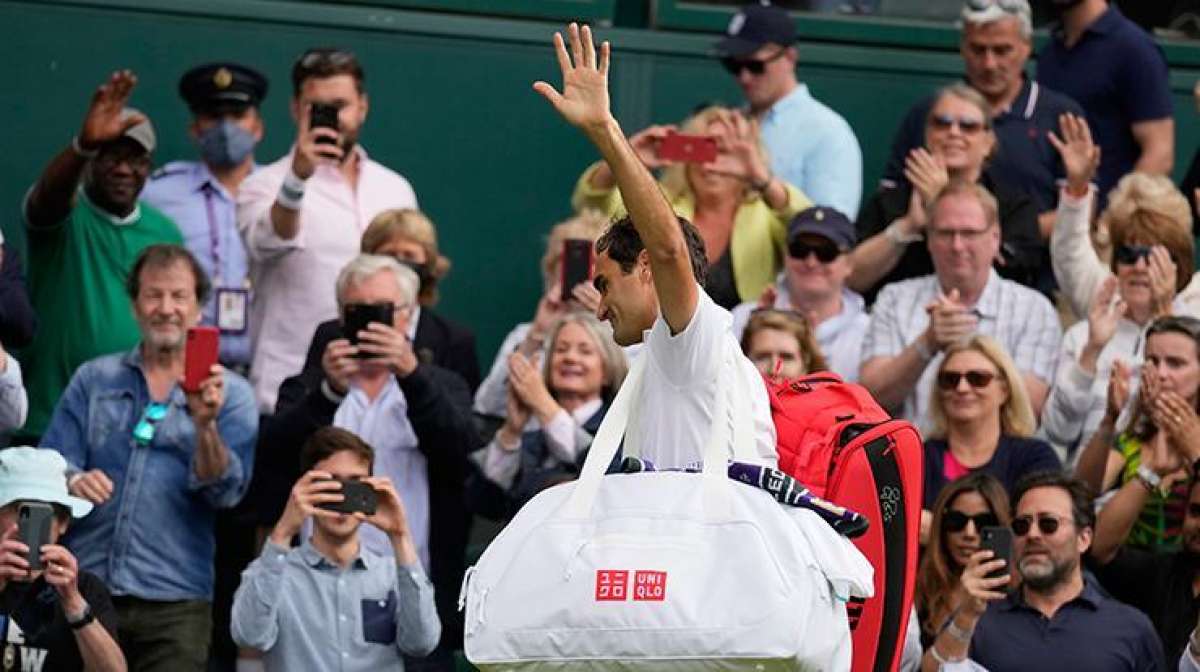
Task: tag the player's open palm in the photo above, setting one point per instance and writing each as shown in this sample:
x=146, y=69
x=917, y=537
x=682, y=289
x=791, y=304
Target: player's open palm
x=584, y=99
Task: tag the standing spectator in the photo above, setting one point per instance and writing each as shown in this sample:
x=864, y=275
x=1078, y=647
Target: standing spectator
x=59, y=617
x=200, y=196
x=741, y=210
x=958, y=141
x=995, y=45
x=781, y=344
x=811, y=146
x=982, y=420
x=915, y=320
x=1057, y=619
x=86, y=227
x=813, y=283
x=16, y=330
x=1116, y=72
x=289, y=597
x=158, y=462
x=302, y=217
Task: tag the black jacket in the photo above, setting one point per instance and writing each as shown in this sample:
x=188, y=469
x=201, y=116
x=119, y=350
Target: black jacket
x=17, y=319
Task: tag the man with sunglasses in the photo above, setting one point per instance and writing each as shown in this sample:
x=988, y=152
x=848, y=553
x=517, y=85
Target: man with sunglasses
x=811, y=146
x=1056, y=618
x=158, y=462
x=85, y=227
x=302, y=217
x=813, y=284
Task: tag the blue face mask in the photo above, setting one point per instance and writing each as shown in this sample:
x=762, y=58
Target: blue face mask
x=225, y=144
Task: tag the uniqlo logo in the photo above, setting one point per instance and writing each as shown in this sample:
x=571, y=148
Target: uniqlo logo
x=611, y=585
x=649, y=586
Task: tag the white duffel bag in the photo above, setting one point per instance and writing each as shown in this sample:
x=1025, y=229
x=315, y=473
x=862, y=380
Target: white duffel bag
x=662, y=571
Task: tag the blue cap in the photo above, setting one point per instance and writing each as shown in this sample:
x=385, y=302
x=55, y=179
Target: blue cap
x=39, y=475
x=755, y=25
x=825, y=222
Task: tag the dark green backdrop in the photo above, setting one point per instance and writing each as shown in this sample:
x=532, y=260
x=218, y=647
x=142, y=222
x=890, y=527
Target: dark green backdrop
x=451, y=105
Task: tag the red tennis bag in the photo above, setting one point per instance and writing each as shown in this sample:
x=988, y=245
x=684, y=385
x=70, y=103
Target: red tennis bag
x=834, y=437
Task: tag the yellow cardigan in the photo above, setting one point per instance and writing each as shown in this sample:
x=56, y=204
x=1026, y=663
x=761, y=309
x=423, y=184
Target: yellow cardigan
x=758, y=241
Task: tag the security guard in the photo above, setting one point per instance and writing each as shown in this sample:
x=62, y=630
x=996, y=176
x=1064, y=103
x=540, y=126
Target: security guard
x=201, y=196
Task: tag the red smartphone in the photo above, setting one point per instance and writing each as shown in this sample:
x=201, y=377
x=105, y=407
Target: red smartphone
x=688, y=148
x=576, y=264
x=203, y=347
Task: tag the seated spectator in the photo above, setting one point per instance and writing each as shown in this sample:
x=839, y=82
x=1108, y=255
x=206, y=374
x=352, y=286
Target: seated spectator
x=59, y=617
x=416, y=415
x=17, y=319
x=1160, y=584
x=1057, y=618
x=302, y=216
x=86, y=227
x=958, y=141
x=1163, y=418
x=960, y=511
x=995, y=44
x=982, y=420
x=158, y=462
x=781, y=344
x=813, y=284
x=288, y=598
x=740, y=208
x=529, y=338
x=568, y=394
x=409, y=237
x=916, y=319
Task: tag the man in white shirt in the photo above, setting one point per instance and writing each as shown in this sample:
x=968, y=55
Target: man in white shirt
x=302, y=217
x=648, y=269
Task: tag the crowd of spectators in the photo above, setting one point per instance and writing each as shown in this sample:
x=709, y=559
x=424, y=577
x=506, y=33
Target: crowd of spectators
x=1003, y=195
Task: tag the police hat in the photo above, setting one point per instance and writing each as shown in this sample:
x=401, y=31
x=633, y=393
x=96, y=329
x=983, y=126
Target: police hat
x=222, y=85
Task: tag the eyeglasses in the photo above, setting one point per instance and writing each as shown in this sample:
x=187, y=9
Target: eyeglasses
x=1129, y=254
x=1046, y=524
x=968, y=126
x=1010, y=6
x=826, y=251
x=956, y=521
x=948, y=380
x=947, y=235
x=754, y=65
x=144, y=430
x=325, y=57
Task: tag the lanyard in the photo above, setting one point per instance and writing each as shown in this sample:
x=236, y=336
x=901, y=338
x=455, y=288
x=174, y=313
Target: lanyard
x=214, y=233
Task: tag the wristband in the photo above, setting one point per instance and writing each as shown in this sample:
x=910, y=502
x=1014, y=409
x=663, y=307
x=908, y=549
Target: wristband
x=898, y=237
x=80, y=151
x=943, y=661
x=958, y=633
x=83, y=620
x=1151, y=480
x=764, y=185
x=291, y=192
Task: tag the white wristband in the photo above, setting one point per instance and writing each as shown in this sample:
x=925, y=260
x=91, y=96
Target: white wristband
x=898, y=237
x=291, y=192
x=80, y=151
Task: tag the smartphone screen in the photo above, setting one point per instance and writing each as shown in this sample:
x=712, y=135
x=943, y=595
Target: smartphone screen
x=202, y=350
x=688, y=148
x=998, y=540
x=356, y=317
x=323, y=116
x=576, y=264
x=359, y=496
x=33, y=529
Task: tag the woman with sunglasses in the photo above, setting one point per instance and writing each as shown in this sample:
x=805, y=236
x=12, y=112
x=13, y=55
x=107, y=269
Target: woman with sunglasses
x=982, y=420
x=1148, y=225
x=740, y=208
x=958, y=141
x=1157, y=446
x=963, y=508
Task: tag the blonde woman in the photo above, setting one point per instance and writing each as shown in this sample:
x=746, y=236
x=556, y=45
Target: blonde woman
x=740, y=208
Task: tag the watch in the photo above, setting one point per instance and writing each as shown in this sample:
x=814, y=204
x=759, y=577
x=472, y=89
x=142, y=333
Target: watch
x=898, y=237
x=1151, y=480
x=84, y=620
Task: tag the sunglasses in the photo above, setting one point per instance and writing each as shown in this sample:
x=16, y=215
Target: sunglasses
x=1010, y=6
x=1046, y=524
x=754, y=65
x=948, y=380
x=826, y=252
x=968, y=126
x=956, y=521
x=327, y=57
x=1129, y=254
x=147, y=426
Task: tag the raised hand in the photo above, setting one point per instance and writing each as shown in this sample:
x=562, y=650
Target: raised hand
x=1161, y=269
x=1080, y=156
x=740, y=153
x=587, y=296
x=1148, y=388
x=313, y=489
x=310, y=150
x=950, y=321
x=927, y=173
x=1175, y=416
x=103, y=122
x=1118, y=390
x=645, y=143
x=339, y=363
x=62, y=572
x=980, y=589
x=388, y=347
x=205, y=403
x=527, y=383
x=14, y=554
x=389, y=514
x=1104, y=315
x=584, y=101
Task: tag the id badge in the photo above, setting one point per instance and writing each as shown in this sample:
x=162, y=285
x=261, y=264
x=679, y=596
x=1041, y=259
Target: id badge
x=232, y=305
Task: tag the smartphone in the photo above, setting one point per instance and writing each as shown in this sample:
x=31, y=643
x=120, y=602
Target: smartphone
x=998, y=540
x=202, y=351
x=33, y=529
x=359, y=496
x=576, y=264
x=688, y=148
x=321, y=115
x=356, y=317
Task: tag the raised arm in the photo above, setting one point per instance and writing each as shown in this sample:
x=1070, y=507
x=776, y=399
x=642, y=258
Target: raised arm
x=584, y=103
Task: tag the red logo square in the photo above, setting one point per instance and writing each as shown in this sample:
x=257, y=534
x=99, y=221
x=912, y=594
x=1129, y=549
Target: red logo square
x=649, y=586
x=611, y=585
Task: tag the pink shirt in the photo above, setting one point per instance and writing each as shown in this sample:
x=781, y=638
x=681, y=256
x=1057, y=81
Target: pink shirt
x=294, y=279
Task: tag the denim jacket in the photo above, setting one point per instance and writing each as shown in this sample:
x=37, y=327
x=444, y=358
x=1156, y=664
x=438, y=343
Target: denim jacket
x=154, y=538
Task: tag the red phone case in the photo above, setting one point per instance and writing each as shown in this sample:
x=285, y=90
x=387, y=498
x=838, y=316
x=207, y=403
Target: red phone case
x=688, y=148
x=203, y=347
